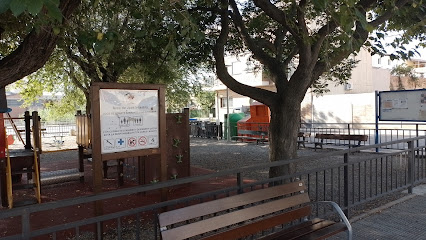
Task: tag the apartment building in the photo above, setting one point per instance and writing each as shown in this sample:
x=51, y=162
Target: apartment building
x=371, y=73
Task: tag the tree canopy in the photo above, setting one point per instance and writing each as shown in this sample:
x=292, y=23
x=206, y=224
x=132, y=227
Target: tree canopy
x=312, y=37
x=120, y=41
x=29, y=31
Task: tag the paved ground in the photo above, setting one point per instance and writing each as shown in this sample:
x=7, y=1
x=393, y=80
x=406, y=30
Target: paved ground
x=404, y=219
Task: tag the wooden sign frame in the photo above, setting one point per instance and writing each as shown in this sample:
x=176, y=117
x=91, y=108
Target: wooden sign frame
x=98, y=156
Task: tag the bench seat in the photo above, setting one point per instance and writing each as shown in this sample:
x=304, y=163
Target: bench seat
x=255, y=213
x=258, y=136
x=301, y=139
x=357, y=138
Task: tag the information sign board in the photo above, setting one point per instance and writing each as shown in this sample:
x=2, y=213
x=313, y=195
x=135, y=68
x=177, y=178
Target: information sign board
x=129, y=119
x=406, y=105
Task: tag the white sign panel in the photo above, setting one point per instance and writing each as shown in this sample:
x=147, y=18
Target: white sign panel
x=129, y=120
x=408, y=105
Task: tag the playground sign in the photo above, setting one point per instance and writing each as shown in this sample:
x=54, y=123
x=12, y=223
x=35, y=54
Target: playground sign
x=129, y=119
x=405, y=105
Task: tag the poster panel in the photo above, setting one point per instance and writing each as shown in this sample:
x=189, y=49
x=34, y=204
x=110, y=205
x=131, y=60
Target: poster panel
x=405, y=105
x=129, y=119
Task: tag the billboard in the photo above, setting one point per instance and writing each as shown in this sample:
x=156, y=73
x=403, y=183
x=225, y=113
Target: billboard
x=404, y=105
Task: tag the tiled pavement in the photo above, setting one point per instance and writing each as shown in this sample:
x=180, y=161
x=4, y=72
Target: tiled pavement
x=404, y=219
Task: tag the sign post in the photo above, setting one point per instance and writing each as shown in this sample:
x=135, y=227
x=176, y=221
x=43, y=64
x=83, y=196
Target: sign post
x=128, y=120
x=403, y=105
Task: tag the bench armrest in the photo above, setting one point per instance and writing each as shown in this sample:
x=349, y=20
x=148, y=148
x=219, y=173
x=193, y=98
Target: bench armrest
x=342, y=216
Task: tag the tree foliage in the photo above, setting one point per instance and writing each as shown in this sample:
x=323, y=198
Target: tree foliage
x=122, y=41
x=403, y=70
x=28, y=38
x=206, y=99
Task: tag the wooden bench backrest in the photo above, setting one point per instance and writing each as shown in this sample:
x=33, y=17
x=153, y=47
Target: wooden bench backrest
x=302, y=134
x=342, y=136
x=252, y=132
x=221, y=213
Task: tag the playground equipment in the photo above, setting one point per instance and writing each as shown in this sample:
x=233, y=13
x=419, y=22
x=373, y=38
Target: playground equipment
x=18, y=162
x=258, y=120
x=16, y=190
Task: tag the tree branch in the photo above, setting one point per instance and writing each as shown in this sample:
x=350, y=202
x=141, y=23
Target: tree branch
x=388, y=14
x=258, y=94
x=86, y=67
x=276, y=14
x=258, y=53
x=75, y=80
x=35, y=49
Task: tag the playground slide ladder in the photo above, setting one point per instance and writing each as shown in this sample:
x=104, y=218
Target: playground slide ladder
x=33, y=184
x=18, y=134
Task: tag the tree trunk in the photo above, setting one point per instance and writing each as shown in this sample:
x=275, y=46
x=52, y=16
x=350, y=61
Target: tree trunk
x=34, y=50
x=283, y=130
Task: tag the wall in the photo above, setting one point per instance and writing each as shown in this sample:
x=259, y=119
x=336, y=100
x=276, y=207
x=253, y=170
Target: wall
x=406, y=84
x=341, y=108
x=381, y=79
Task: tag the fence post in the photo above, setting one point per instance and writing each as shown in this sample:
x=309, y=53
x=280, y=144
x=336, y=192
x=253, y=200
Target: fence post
x=410, y=166
x=346, y=184
x=349, y=133
x=27, y=119
x=25, y=223
x=240, y=182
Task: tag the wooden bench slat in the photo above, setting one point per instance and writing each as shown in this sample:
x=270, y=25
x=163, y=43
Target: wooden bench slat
x=258, y=226
x=259, y=136
x=297, y=227
x=343, y=137
x=202, y=209
x=215, y=223
x=301, y=231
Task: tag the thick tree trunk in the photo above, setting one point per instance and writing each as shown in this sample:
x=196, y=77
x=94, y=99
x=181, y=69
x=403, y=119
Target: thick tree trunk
x=34, y=51
x=283, y=130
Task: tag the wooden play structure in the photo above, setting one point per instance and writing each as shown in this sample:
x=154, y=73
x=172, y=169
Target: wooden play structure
x=17, y=190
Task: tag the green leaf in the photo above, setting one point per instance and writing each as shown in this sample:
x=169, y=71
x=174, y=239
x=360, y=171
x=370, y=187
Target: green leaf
x=56, y=30
x=320, y=4
x=17, y=7
x=35, y=6
x=53, y=10
x=380, y=35
x=4, y=5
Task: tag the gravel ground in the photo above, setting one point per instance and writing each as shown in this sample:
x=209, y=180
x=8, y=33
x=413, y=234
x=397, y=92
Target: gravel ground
x=220, y=155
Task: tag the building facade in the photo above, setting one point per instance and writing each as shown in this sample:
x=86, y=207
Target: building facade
x=355, y=99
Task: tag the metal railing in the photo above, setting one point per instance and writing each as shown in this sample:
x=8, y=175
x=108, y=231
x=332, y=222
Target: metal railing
x=387, y=132
x=205, y=129
x=48, y=128
x=350, y=177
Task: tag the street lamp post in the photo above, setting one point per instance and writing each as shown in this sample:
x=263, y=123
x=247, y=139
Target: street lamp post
x=228, y=134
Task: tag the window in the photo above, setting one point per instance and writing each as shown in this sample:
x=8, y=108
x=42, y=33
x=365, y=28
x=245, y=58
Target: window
x=223, y=102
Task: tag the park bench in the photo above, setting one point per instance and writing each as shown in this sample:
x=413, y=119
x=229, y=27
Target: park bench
x=344, y=137
x=301, y=139
x=260, y=213
x=251, y=135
